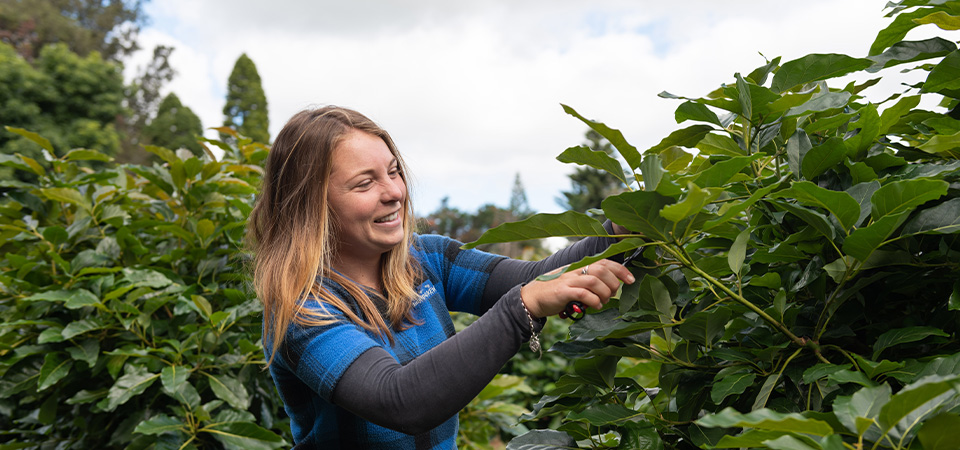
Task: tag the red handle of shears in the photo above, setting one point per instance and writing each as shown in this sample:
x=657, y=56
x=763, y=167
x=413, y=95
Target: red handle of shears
x=575, y=310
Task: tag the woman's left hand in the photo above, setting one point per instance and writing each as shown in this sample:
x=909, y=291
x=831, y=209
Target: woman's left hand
x=592, y=285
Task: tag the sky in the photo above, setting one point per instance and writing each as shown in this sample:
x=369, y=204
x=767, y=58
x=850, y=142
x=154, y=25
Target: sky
x=472, y=91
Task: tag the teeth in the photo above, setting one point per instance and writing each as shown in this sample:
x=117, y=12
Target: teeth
x=388, y=218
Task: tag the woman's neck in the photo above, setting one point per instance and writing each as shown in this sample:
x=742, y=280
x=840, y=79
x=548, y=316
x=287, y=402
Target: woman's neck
x=364, y=272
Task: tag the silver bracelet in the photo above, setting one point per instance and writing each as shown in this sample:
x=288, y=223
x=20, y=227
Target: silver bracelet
x=534, y=334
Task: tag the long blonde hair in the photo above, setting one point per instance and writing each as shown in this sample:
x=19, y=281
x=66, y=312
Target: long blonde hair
x=293, y=234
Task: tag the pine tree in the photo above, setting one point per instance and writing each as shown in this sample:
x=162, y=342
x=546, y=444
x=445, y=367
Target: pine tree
x=246, y=107
x=176, y=126
x=519, y=206
x=590, y=186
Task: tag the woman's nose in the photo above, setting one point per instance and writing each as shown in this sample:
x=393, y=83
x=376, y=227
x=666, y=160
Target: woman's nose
x=393, y=191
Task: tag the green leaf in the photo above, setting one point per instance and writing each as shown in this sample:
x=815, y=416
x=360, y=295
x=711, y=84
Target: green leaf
x=734, y=384
x=865, y=403
x=82, y=154
x=909, y=51
x=230, y=390
x=862, y=193
x=704, y=327
x=597, y=159
x=738, y=251
x=694, y=203
x=54, y=369
x=815, y=67
x=604, y=414
x=743, y=96
x=905, y=195
x=567, y=224
x=639, y=212
x=653, y=172
x=941, y=143
x=904, y=335
x=917, y=401
x=765, y=419
x=940, y=432
x=818, y=221
x=825, y=101
x=891, y=116
x=73, y=298
x=87, y=351
x=823, y=157
x=735, y=208
x=159, y=424
x=696, y=111
x=245, y=435
x=945, y=76
x=941, y=19
x=542, y=440
x=172, y=377
x=841, y=204
x=895, y=32
x=719, y=144
x=764, y=395
x=627, y=151
x=134, y=381
x=941, y=219
x=39, y=140
x=67, y=195
x=862, y=242
x=165, y=154
x=686, y=137
x=79, y=327
x=722, y=172
x=748, y=439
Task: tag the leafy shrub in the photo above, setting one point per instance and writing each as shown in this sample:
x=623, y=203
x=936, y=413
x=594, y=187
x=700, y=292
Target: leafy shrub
x=799, y=283
x=126, y=319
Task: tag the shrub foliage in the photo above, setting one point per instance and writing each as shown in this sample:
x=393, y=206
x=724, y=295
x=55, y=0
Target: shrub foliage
x=801, y=256
x=126, y=319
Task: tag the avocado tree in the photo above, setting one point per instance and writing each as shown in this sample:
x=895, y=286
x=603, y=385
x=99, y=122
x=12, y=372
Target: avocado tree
x=799, y=281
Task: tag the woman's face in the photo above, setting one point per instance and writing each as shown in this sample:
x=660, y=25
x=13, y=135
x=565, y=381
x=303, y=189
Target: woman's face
x=366, y=193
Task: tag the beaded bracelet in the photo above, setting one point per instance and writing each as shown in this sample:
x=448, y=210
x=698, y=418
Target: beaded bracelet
x=534, y=334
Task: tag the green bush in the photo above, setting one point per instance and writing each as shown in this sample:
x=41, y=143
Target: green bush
x=799, y=287
x=126, y=317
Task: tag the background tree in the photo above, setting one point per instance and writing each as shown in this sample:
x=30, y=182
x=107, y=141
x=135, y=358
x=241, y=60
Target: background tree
x=589, y=186
x=176, y=126
x=109, y=27
x=246, y=107
x=142, y=100
x=71, y=100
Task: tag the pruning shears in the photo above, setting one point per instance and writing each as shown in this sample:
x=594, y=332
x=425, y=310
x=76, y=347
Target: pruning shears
x=575, y=310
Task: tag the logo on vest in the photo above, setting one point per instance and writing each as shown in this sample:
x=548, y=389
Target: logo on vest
x=426, y=290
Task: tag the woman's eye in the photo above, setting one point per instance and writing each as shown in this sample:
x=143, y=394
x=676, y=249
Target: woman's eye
x=365, y=184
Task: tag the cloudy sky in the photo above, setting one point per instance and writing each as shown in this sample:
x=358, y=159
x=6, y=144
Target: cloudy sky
x=471, y=91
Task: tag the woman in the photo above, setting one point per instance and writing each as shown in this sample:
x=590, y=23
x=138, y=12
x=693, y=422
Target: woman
x=357, y=329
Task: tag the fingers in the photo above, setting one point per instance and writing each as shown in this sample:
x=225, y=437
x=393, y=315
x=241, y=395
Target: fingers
x=591, y=285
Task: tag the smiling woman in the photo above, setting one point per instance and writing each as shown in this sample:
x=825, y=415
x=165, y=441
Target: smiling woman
x=357, y=328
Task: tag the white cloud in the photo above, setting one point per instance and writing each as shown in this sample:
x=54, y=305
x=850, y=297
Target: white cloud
x=471, y=90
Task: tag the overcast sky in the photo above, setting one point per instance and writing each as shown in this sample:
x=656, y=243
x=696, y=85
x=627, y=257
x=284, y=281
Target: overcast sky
x=471, y=91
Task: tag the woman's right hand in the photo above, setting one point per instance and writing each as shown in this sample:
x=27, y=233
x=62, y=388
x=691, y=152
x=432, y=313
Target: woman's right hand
x=592, y=285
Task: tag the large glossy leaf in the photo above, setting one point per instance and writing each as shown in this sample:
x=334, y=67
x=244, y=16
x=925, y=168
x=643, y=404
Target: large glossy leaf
x=738, y=251
x=732, y=384
x=765, y=419
x=824, y=101
x=797, y=148
x=908, y=51
x=639, y=212
x=941, y=219
x=903, y=196
x=946, y=75
x=815, y=67
x=567, y=224
x=895, y=32
x=722, y=172
x=907, y=408
x=54, y=369
x=686, y=137
x=940, y=432
x=843, y=206
x=891, y=116
x=694, y=203
x=627, y=151
x=605, y=414
x=903, y=336
x=818, y=221
x=159, y=424
x=245, y=435
x=36, y=138
x=736, y=208
x=719, y=144
x=823, y=157
x=653, y=171
x=942, y=144
x=230, y=390
x=865, y=403
x=862, y=242
x=690, y=110
x=542, y=440
x=862, y=193
x=134, y=381
x=705, y=326
x=597, y=159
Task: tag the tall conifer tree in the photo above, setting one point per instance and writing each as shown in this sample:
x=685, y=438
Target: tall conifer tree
x=246, y=107
x=176, y=126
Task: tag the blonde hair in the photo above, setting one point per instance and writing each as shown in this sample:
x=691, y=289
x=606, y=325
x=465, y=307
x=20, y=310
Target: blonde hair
x=293, y=234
